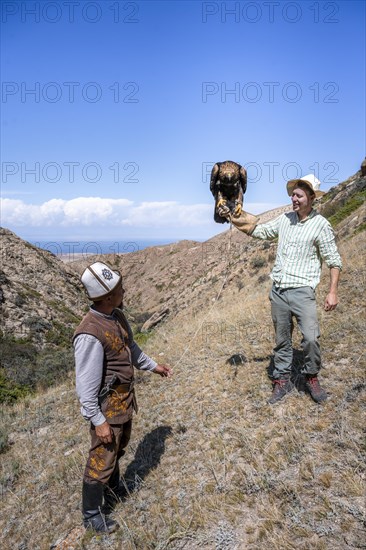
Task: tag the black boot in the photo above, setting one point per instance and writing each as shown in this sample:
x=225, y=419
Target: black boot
x=316, y=391
x=281, y=386
x=92, y=506
x=113, y=492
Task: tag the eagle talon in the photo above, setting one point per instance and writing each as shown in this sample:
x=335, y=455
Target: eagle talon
x=221, y=202
x=237, y=211
x=223, y=211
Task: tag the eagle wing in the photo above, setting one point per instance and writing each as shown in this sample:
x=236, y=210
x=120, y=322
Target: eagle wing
x=214, y=177
x=243, y=179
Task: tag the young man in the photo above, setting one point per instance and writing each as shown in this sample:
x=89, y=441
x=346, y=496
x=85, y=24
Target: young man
x=305, y=240
x=105, y=357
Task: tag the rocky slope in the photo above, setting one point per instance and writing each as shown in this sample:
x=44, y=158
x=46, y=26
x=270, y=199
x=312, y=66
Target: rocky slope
x=41, y=295
x=38, y=294
x=188, y=275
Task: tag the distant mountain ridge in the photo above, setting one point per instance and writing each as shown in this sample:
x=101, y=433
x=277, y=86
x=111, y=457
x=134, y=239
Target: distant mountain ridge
x=39, y=293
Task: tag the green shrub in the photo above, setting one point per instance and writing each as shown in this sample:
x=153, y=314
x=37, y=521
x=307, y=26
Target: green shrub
x=59, y=334
x=24, y=368
x=141, y=338
x=37, y=324
x=360, y=228
x=9, y=391
x=3, y=439
x=342, y=212
x=20, y=300
x=52, y=366
x=17, y=362
x=258, y=261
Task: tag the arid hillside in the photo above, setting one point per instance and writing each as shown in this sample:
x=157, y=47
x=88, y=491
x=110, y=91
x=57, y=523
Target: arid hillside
x=210, y=464
x=40, y=302
x=187, y=276
x=36, y=290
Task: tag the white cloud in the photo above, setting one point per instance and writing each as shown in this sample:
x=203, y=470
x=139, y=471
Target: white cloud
x=82, y=211
x=169, y=213
x=92, y=211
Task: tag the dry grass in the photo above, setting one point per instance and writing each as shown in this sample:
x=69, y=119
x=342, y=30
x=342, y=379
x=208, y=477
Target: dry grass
x=210, y=464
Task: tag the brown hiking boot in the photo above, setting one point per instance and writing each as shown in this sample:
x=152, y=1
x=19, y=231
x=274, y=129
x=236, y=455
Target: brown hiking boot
x=314, y=388
x=281, y=386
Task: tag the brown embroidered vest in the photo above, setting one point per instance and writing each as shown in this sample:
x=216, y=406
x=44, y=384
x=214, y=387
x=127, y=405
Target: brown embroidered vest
x=115, y=337
x=115, y=340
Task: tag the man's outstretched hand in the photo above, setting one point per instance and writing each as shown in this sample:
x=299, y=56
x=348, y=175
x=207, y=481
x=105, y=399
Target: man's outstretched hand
x=245, y=222
x=163, y=370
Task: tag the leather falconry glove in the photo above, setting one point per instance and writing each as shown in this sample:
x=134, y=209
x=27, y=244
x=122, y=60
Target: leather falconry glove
x=245, y=222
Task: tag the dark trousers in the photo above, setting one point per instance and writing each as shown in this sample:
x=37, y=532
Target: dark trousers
x=299, y=303
x=102, y=457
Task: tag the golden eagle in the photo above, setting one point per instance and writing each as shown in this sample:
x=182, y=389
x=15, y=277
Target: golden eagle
x=228, y=185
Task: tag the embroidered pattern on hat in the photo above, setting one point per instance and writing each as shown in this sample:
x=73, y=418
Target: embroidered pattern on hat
x=107, y=274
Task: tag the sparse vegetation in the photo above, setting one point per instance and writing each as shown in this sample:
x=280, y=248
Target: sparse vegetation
x=10, y=391
x=360, y=228
x=24, y=368
x=258, y=261
x=59, y=334
x=30, y=291
x=346, y=210
x=68, y=315
x=210, y=464
x=141, y=338
x=37, y=324
x=4, y=439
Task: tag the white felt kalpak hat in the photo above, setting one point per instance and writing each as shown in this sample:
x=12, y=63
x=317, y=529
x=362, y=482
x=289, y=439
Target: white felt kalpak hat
x=100, y=280
x=310, y=180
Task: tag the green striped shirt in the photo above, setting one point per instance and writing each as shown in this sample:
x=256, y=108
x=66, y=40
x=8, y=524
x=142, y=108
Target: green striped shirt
x=302, y=247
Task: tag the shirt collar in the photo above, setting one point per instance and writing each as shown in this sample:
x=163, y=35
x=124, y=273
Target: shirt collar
x=311, y=214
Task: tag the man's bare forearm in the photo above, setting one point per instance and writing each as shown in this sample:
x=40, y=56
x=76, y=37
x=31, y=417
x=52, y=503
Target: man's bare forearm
x=331, y=300
x=334, y=279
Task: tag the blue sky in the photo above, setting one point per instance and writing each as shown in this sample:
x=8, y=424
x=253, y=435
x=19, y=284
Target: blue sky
x=113, y=113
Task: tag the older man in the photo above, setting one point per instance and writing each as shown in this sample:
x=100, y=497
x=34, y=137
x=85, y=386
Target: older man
x=305, y=240
x=105, y=357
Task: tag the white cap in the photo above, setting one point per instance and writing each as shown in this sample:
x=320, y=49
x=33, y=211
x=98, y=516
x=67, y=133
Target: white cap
x=310, y=180
x=99, y=280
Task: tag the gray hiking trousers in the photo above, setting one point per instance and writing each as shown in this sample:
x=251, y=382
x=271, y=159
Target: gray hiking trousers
x=299, y=303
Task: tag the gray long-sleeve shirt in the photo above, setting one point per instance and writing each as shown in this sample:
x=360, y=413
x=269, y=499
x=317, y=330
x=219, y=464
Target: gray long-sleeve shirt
x=89, y=357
